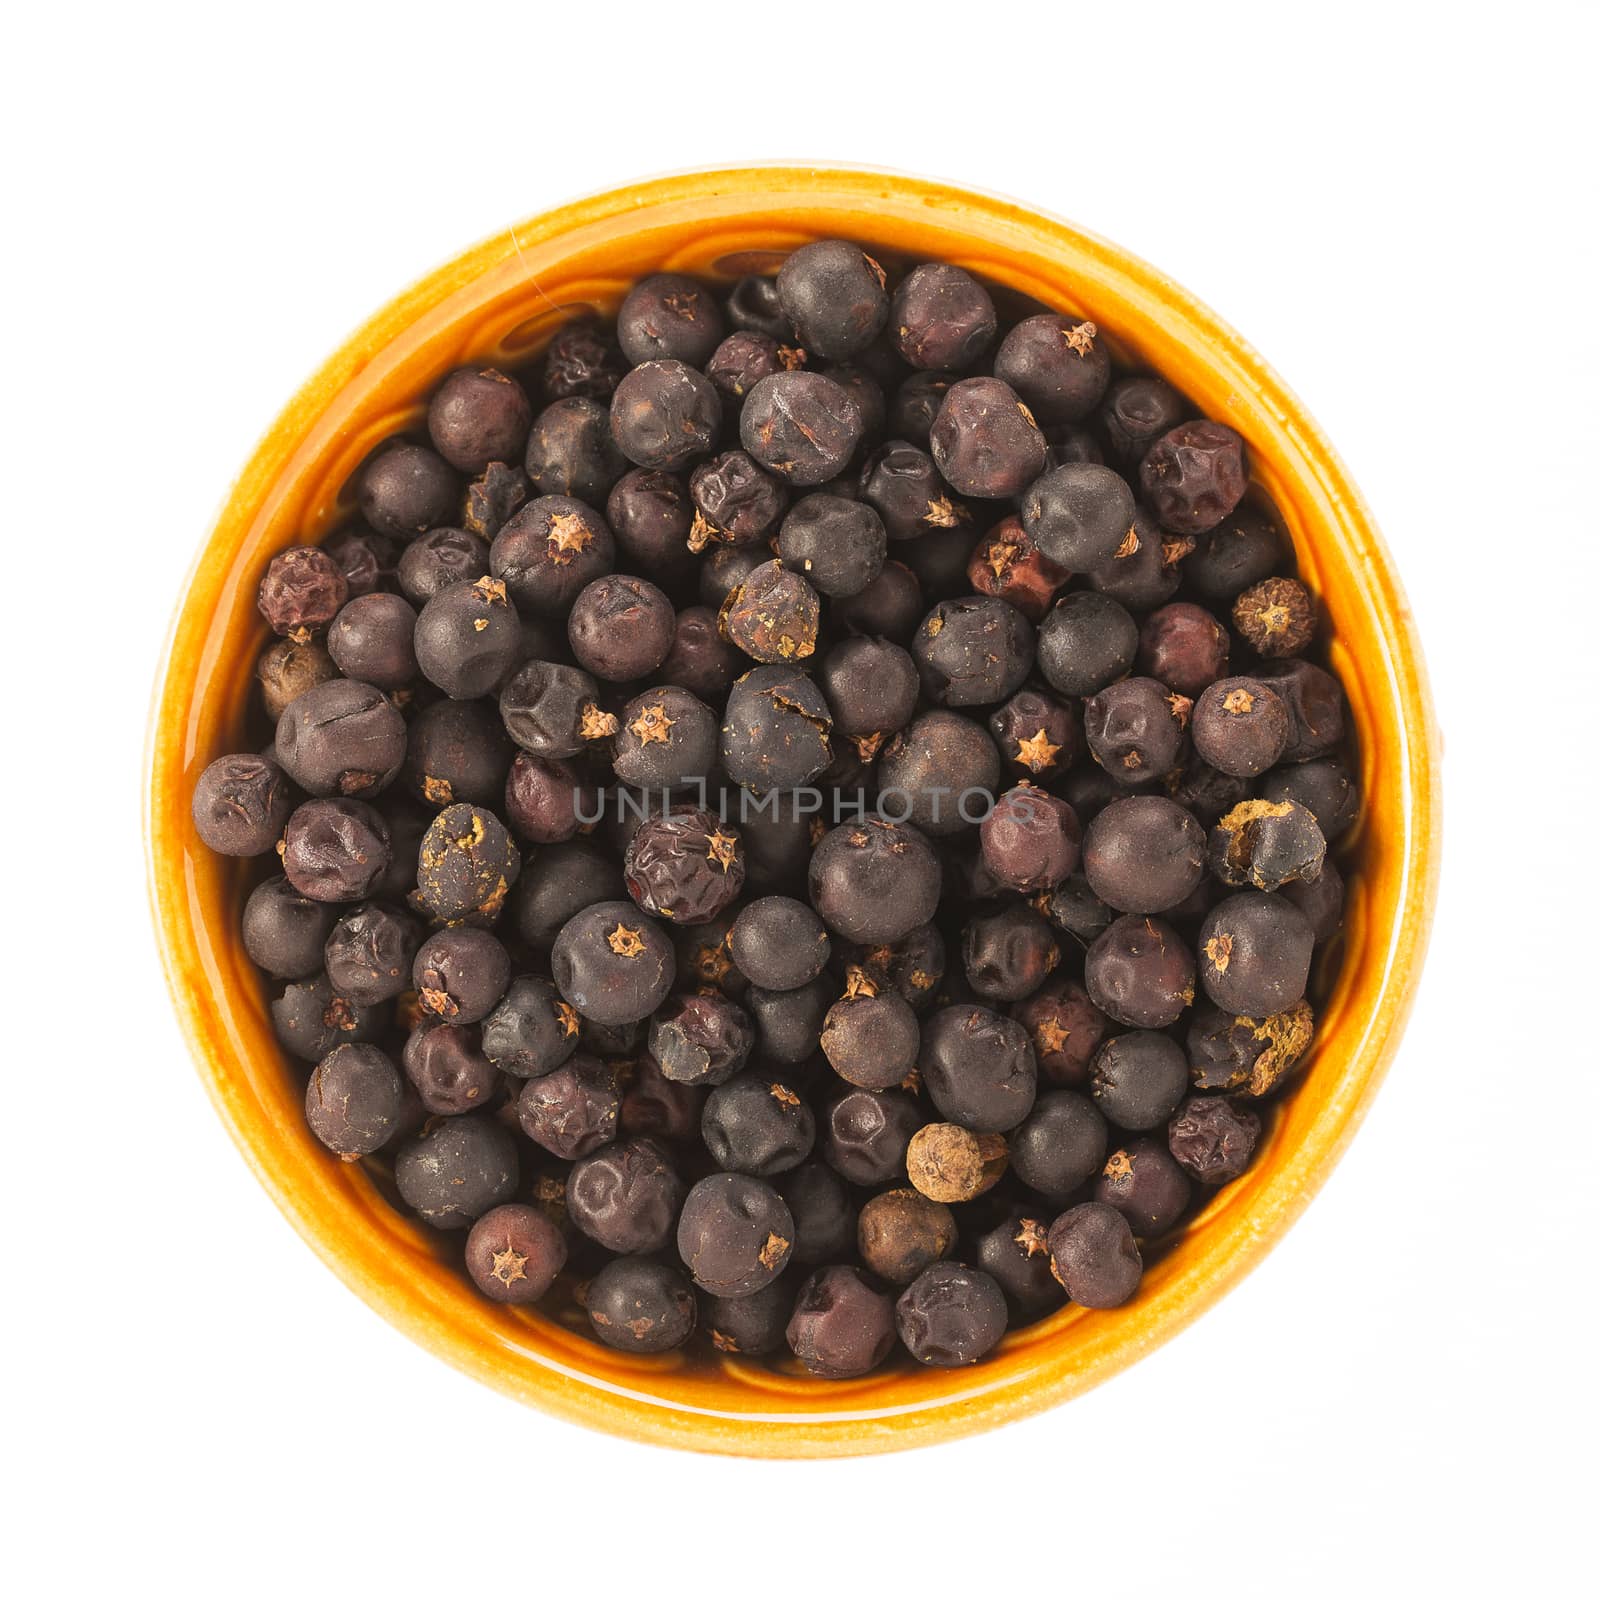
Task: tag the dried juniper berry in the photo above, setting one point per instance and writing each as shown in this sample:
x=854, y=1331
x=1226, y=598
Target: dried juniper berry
x=1241, y=726
x=309, y=1019
x=1276, y=617
x=699, y=659
x=493, y=498
x=532, y=1031
x=457, y=751
x=952, y=1164
x=871, y=685
x=656, y=1108
x=448, y=1069
x=874, y=881
x=1315, y=703
x=735, y=501
x=571, y=451
x=369, y=951
x=664, y=414
x=1009, y=953
x=620, y=628
x=701, y=1039
x=1255, y=954
x=1144, y=1183
x=240, y=805
x=939, y=773
x=1322, y=901
x=901, y=483
x=1324, y=787
x=775, y=730
x=1265, y=844
x=572, y=1110
x=1086, y=641
x=641, y=1306
x=1078, y=515
x=626, y=1196
x=582, y=358
x=1147, y=568
x=1184, y=646
x=941, y=318
x=1006, y=565
x=1077, y=910
x=570, y=876
x=758, y=1124
x=837, y=545
x=1138, y=1079
x=353, y=1100
x=1144, y=853
x=735, y=1234
x=779, y=943
x=1213, y=1138
x=285, y=670
x=901, y=1231
x=284, y=930
x=1038, y=735
x=1093, y=1255
x=341, y=738
x=1061, y=1144
x=466, y=863
x=1030, y=841
x=1057, y=364
x=1241, y=550
x=833, y=294
x=743, y=359
x=985, y=442
x=302, y=592
x=665, y=737
x=1252, y=1055
x=553, y=710
x=789, y=1021
x=951, y=1315
x=478, y=415
x=1135, y=729
x=1194, y=475
x=867, y=391
x=650, y=514
x=460, y=974
x=772, y=615
x=824, y=1217
x=915, y=405
x=978, y=1068
x=1064, y=1027
x=1136, y=412
x=802, y=426
x=753, y=304
x=972, y=652
x=842, y=1325
x=468, y=638
x=687, y=866
x=1140, y=973
x=456, y=1169
x=514, y=1254
x=406, y=489
x=1015, y=1254
x=871, y=1039
x=543, y=799
x=865, y=1135
x=439, y=559
x=371, y=640
x=1070, y=441
x=335, y=849
x=548, y=552
x=723, y=568
x=752, y=1325
x=612, y=963
x=367, y=560
x=669, y=316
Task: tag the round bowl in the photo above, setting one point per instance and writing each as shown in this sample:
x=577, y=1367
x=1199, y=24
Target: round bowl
x=499, y=302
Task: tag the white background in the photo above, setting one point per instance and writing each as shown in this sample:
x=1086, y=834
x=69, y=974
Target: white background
x=1396, y=204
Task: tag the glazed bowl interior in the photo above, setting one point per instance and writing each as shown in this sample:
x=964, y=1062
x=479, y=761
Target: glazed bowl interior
x=499, y=303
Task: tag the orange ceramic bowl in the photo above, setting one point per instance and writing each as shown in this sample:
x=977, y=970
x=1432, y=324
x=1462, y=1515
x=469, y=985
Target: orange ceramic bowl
x=499, y=302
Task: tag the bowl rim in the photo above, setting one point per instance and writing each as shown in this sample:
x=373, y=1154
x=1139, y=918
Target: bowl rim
x=596, y=1403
